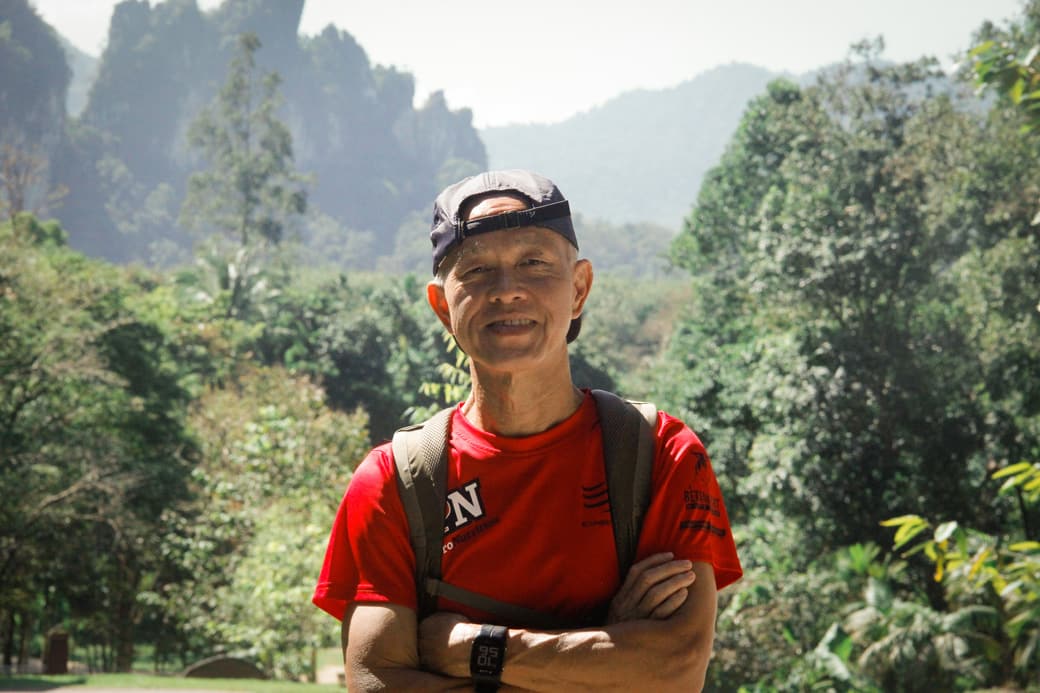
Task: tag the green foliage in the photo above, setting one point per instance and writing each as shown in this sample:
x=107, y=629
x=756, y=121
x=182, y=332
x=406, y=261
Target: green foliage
x=242, y=557
x=370, y=342
x=1009, y=61
x=30, y=230
x=1015, y=76
x=250, y=194
x=1022, y=476
x=824, y=350
x=92, y=446
x=861, y=340
x=452, y=386
x=772, y=633
x=974, y=565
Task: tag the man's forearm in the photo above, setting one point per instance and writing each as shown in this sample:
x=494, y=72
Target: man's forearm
x=380, y=652
x=625, y=656
x=400, y=679
x=668, y=654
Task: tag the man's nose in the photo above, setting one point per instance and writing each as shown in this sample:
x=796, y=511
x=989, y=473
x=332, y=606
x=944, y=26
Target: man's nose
x=507, y=286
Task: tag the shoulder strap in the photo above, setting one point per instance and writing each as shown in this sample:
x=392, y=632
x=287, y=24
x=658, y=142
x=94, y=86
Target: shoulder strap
x=628, y=456
x=421, y=458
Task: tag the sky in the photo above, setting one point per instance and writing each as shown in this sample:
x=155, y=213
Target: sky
x=546, y=60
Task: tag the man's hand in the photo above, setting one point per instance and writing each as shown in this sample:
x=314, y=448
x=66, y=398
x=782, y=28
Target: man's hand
x=654, y=588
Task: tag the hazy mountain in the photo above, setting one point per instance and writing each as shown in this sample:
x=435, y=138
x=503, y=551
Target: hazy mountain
x=84, y=70
x=641, y=155
x=33, y=80
x=113, y=129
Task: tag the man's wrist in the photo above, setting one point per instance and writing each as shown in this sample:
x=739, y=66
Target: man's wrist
x=487, y=658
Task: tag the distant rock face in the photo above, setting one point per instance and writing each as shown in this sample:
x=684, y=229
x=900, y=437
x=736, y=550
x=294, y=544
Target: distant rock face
x=84, y=70
x=374, y=158
x=33, y=79
x=640, y=156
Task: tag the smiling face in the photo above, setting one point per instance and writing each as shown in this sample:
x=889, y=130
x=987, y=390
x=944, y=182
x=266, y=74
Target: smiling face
x=509, y=296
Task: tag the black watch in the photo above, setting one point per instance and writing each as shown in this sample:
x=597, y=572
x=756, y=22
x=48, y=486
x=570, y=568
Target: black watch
x=487, y=658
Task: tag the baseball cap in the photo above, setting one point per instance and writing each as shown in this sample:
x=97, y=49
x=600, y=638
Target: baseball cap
x=548, y=209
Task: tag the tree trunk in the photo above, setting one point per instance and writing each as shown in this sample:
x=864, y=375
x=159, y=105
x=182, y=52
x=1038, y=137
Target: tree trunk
x=124, y=632
x=24, y=636
x=8, y=626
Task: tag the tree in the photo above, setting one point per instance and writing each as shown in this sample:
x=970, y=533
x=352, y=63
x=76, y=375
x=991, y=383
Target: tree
x=92, y=441
x=275, y=463
x=1009, y=61
x=251, y=197
x=25, y=182
x=822, y=351
x=999, y=575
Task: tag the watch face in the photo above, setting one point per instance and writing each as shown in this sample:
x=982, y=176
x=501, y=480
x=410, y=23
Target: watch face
x=488, y=656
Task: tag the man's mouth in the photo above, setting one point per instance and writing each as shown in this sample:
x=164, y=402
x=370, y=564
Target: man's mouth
x=512, y=322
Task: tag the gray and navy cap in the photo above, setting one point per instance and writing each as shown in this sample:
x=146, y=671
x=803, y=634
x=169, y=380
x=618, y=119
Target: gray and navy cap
x=548, y=209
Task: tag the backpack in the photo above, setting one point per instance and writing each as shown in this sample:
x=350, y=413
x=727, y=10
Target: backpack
x=420, y=456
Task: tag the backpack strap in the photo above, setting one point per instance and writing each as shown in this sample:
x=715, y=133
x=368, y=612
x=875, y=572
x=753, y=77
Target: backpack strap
x=421, y=458
x=511, y=614
x=628, y=456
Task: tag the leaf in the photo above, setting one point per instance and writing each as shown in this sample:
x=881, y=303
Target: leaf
x=1008, y=471
x=1007, y=486
x=928, y=547
x=980, y=559
x=981, y=48
x=908, y=531
x=903, y=519
x=945, y=531
x=1025, y=546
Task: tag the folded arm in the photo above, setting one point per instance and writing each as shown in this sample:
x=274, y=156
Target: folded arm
x=660, y=631
x=647, y=652
x=380, y=652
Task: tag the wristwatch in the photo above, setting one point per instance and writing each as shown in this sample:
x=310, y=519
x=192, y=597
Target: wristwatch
x=487, y=658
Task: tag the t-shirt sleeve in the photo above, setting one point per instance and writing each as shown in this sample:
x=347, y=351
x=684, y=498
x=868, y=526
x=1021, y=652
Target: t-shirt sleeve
x=369, y=557
x=687, y=514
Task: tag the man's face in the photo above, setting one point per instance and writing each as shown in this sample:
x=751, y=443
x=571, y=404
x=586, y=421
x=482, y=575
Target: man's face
x=509, y=296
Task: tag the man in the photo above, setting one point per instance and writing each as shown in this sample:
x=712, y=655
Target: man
x=526, y=455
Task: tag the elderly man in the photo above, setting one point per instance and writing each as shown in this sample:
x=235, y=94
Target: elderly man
x=526, y=451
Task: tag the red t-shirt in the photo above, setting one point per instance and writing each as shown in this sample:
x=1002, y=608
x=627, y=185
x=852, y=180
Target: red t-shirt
x=527, y=521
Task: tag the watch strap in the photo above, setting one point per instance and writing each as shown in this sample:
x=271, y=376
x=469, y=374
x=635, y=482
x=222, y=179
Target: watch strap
x=487, y=657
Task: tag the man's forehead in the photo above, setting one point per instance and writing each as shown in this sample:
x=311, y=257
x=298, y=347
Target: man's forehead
x=493, y=203
x=530, y=237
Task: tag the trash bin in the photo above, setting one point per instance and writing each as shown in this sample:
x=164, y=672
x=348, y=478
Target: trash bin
x=56, y=652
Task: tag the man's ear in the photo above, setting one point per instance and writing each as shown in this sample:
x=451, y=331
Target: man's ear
x=582, y=286
x=439, y=303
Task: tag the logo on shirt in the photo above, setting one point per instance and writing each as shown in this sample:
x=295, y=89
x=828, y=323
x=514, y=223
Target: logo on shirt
x=696, y=499
x=463, y=505
x=596, y=500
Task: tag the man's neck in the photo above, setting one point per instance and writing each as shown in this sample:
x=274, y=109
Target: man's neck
x=520, y=404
